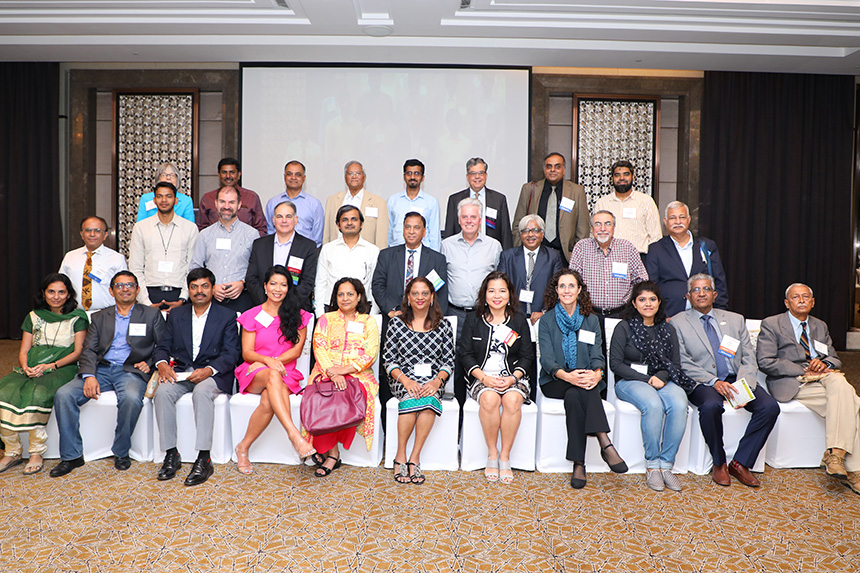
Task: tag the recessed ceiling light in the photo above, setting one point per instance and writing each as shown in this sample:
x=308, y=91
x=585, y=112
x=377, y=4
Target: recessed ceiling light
x=377, y=31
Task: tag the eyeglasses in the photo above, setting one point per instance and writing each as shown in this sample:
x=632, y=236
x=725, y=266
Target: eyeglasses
x=602, y=224
x=124, y=285
x=354, y=173
x=473, y=173
x=532, y=231
x=92, y=230
x=695, y=290
x=413, y=173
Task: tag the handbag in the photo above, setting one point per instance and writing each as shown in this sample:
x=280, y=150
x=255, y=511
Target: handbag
x=326, y=410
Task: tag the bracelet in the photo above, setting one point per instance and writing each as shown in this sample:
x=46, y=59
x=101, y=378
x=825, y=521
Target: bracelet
x=398, y=376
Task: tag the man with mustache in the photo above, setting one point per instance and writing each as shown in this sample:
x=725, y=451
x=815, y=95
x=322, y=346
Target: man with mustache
x=251, y=212
x=413, y=199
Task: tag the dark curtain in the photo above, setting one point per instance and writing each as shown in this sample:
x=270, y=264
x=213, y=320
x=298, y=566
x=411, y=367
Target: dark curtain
x=775, y=191
x=31, y=242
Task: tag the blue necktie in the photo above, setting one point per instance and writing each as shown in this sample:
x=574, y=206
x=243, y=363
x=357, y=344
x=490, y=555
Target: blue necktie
x=722, y=366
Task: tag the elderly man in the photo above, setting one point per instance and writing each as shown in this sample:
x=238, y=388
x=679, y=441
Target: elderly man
x=309, y=211
x=678, y=256
x=375, y=227
x=560, y=203
x=90, y=267
x=224, y=249
x=796, y=353
x=413, y=199
x=716, y=352
x=494, y=205
x=184, y=204
x=251, y=209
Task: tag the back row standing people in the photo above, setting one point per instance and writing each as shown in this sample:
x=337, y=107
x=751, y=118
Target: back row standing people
x=413, y=199
x=375, y=227
x=251, y=209
x=184, y=206
x=309, y=211
x=495, y=220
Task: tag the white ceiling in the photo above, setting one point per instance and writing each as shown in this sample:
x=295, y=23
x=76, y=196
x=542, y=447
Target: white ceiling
x=768, y=35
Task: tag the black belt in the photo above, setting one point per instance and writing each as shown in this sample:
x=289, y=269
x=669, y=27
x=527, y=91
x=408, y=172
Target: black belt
x=462, y=308
x=165, y=288
x=607, y=311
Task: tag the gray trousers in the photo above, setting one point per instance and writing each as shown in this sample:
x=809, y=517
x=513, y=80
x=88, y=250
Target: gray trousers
x=202, y=397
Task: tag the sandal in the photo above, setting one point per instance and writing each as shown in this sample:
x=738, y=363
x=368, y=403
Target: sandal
x=33, y=467
x=416, y=476
x=491, y=470
x=308, y=452
x=15, y=460
x=323, y=471
x=401, y=472
x=505, y=467
x=318, y=459
x=243, y=464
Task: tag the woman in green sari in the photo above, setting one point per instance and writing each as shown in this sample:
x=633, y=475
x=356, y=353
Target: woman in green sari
x=52, y=339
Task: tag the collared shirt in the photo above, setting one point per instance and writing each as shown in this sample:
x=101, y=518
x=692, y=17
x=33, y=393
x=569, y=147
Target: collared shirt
x=596, y=268
x=416, y=261
x=338, y=260
x=309, y=211
x=281, y=251
x=399, y=204
x=468, y=265
x=106, y=263
x=224, y=251
x=250, y=213
x=526, y=252
x=482, y=197
x=159, y=254
x=119, y=350
x=354, y=200
x=636, y=218
x=686, y=254
x=795, y=325
x=198, y=324
x=716, y=324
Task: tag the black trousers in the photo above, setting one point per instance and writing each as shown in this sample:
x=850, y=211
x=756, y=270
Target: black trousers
x=584, y=414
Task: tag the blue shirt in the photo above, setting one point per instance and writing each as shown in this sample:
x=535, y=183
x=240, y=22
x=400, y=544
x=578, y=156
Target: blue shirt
x=399, y=204
x=795, y=324
x=184, y=207
x=309, y=211
x=119, y=348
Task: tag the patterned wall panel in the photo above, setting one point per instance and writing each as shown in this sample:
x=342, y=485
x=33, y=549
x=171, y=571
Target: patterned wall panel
x=150, y=129
x=611, y=129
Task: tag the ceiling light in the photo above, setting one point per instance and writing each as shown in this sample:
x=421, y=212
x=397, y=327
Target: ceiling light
x=377, y=31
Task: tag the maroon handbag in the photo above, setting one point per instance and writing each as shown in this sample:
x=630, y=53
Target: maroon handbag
x=326, y=410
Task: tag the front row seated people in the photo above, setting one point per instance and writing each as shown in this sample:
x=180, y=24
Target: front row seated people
x=572, y=366
x=203, y=341
x=117, y=356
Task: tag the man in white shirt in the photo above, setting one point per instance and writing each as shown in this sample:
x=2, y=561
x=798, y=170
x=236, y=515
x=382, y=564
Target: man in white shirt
x=374, y=208
x=636, y=214
x=92, y=266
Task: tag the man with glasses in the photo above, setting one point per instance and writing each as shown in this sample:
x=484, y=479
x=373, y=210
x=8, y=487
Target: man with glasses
x=91, y=266
x=494, y=205
x=375, y=227
x=414, y=199
x=117, y=356
x=716, y=352
x=309, y=210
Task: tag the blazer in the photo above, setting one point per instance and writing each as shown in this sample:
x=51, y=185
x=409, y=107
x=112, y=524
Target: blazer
x=665, y=268
x=100, y=337
x=260, y=261
x=782, y=358
x=572, y=227
x=500, y=225
x=512, y=262
x=219, y=347
x=474, y=345
x=389, y=277
x=588, y=356
x=373, y=230
x=697, y=356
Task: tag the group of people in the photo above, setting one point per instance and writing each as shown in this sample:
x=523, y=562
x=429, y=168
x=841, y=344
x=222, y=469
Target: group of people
x=530, y=300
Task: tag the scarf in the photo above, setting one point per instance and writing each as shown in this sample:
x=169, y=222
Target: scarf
x=657, y=350
x=569, y=326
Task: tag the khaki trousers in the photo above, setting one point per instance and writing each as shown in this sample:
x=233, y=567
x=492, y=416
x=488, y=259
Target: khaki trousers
x=834, y=399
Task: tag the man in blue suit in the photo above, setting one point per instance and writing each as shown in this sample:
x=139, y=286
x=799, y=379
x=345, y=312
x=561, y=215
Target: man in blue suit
x=203, y=340
x=678, y=256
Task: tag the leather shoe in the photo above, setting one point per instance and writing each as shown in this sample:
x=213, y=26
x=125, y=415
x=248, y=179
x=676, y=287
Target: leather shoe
x=66, y=466
x=172, y=463
x=833, y=463
x=201, y=471
x=743, y=474
x=853, y=481
x=121, y=463
x=720, y=475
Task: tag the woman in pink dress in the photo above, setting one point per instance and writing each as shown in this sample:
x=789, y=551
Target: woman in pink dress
x=272, y=340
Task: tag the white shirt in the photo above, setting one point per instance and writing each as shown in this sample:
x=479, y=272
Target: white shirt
x=281, y=251
x=336, y=261
x=416, y=261
x=636, y=218
x=355, y=201
x=198, y=323
x=106, y=263
x=482, y=197
x=155, y=248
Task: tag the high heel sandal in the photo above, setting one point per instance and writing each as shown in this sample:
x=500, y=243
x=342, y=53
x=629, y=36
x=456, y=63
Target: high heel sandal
x=619, y=467
x=491, y=470
x=243, y=464
x=505, y=466
x=575, y=482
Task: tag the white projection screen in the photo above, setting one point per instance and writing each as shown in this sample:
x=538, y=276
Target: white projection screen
x=382, y=116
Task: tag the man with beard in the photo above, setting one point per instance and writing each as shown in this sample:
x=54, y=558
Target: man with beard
x=637, y=217
x=224, y=248
x=251, y=209
x=413, y=199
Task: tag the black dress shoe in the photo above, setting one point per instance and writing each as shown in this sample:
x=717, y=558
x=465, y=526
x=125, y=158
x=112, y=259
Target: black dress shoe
x=66, y=466
x=201, y=471
x=121, y=463
x=171, y=465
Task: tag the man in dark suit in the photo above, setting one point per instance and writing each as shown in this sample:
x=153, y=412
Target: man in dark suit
x=495, y=205
x=117, y=356
x=395, y=266
x=203, y=340
x=678, y=256
x=286, y=247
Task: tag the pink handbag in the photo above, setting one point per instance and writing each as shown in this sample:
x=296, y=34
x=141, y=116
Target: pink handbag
x=326, y=410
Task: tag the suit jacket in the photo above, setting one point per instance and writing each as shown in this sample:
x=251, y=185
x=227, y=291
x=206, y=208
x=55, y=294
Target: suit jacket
x=219, y=347
x=389, y=277
x=100, y=336
x=501, y=224
x=572, y=227
x=473, y=348
x=373, y=230
x=260, y=261
x=665, y=268
x=512, y=262
x=782, y=358
x=697, y=356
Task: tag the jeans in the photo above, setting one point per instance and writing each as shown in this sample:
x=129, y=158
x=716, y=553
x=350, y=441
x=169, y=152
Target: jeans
x=129, y=388
x=664, y=419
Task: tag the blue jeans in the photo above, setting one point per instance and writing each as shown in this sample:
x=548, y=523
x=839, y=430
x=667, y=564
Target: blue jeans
x=129, y=388
x=669, y=405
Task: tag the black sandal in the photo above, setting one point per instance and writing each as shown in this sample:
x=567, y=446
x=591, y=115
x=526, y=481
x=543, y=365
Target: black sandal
x=323, y=471
x=318, y=459
x=401, y=472
x=416, y=476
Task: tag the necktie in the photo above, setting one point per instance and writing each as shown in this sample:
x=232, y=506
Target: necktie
x=87, y=283
x=410, y=266
x=529, y=272
x=722, y=367
x=804, y=340
x=551, y=217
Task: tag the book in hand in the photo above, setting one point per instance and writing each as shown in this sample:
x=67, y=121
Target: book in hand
x=743, y=396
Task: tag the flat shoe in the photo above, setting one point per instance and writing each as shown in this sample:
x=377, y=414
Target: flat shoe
x=401, y=473
x=34, y=468
x=323, y=471
x=16, y=460
x=654, y=480
x=671, y=480
x=617, y=467
x=319, y=459
x=416, y=476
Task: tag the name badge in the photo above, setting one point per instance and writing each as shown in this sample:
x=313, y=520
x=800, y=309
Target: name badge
x=587, y=337
x=492, y=213
x=435, y=279
x=137, y=329
x=264, y=318
x=371, y=212
x=820, y=347
x=566, y=204
x=165, y=266
x=149, y=205
x=504, y=333
x=95, y=277
x=527, y=296
x=355, y=327
x=629, y=213
x=640, y=368
x=294, y=265
x=423, y=371
x=222, y=244
x=619, y=270
x=729, y=346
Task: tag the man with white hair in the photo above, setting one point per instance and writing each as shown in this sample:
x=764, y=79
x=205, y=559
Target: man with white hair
x=375, y=210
